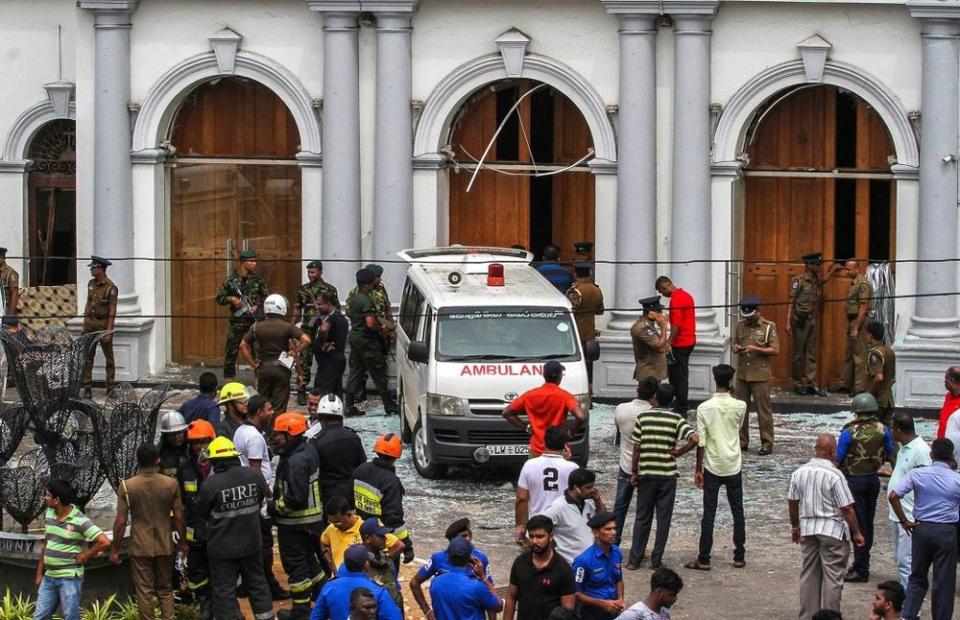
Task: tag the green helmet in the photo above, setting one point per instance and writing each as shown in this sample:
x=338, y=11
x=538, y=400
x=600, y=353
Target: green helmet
x=864, y=403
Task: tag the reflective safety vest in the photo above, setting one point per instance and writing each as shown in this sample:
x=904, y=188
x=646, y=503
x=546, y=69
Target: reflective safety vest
x=378, y=492
x=191, y=479
x=297, y=489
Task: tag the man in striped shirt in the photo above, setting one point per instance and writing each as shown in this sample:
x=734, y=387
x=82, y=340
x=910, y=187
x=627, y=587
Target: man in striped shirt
x=60, y=571
x=653, y=470
x=821, y=511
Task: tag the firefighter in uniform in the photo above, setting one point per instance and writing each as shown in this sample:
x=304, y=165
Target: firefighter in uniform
x=339, y=451
x=587, y=301
x=9, y=284
x=230, y=502
x=881, y=372
x=191, y=474
x=378, y=492
x=367, y=351
x=244, y=292
x=99, y=315
x=269, y=339
x=755, y=343
x=307, y=311
x=297, y=509
x=649, y=335
x=173, y=443
x=805, y=290
x=856, y=308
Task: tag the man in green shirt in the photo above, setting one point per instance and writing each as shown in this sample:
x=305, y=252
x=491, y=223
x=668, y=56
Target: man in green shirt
x=366, y=353
x=67, y=531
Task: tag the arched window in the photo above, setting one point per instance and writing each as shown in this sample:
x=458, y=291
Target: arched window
x=52, y=219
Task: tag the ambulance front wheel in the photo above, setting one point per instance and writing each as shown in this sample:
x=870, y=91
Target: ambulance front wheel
x=421, y=457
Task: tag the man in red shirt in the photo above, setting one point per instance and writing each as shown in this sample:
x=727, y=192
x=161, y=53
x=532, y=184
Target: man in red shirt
x=951, y=402
x=682, y=339
x=545, y=406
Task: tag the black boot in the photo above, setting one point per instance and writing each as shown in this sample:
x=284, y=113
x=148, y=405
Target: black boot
x=302, y=395
x=297, y=612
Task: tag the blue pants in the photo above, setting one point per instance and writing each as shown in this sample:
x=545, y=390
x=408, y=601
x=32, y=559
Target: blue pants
x=933, y=544
x=711, y=492
x=62, y=592
x=865, y=490
x=622, y=503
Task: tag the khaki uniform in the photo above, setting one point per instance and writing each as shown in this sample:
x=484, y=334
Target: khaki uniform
x=754, y=372
x=268, y=339
x=804, y=291
x=651, y=362
x=10, y=283
x=587, y=301
x=854, y=376
x=308, y=297
x=101, y=303
x=881, y=359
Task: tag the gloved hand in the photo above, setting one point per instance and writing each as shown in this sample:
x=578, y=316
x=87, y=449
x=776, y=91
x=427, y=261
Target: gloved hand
x=408, y=553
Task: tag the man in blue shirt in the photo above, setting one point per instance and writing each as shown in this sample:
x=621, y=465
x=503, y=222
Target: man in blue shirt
x=440, y=562
x=598, y=572
x=463, y=593
x=936, y=509
x=557, y=274
x=204, y=405
x=334, y=600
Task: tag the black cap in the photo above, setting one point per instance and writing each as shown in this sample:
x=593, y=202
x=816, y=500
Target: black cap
x=552, y=369
x=600, y=519
x=456, y=528
x=315, y=264
x=583, y=247
x=96, y=261
x=248, y=254
x=459, y=547
x=3, y=251
x=365, y=276
x=815, y=258
x=748, y=305
x=582, y=268
x=651, y=303
x=11, y=320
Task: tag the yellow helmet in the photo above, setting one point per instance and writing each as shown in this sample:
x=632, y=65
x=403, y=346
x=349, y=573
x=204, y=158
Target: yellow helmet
x=221, y=448
x=234, y=391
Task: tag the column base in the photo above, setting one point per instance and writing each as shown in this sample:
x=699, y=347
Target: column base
x=921, y=364
x=622, y=322
x=131, y=348
x=935, y=328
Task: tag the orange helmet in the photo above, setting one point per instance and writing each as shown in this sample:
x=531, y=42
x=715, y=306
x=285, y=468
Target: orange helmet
x=389, y=444
x=198, y=430
x=291, y=422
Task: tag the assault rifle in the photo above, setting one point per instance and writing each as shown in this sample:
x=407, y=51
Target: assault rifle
x=246, y=309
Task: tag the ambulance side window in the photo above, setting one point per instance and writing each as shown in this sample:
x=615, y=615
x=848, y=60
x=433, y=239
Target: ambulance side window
x=427, y=323
x=410, y=310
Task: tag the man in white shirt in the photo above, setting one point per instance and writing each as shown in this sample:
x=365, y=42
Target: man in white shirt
x=914, y=452
x=625, y=418
x=542, y=479
x=719, y=462
x=821, y=511
x=570, y=513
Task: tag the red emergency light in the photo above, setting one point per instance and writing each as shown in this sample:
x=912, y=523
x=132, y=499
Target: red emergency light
x=495, y=275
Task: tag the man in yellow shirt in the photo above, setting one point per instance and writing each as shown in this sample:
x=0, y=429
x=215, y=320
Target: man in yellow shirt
x=343, y=531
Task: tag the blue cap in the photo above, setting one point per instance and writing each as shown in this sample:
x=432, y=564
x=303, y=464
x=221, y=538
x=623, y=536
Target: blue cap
x=749, y=304
x=374, y=526
x=355, y=557
x=460, y=547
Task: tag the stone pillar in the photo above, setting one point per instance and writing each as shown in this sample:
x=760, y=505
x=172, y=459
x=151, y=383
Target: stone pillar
x=690, y=220
x=393, y=156
x=340, y=216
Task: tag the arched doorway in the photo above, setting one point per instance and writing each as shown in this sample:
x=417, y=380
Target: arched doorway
x=52, y=216
x=508, y=203
x=818, y=179
x=234, y=184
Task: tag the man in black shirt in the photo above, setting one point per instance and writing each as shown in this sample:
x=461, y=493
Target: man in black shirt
x=540, y=580
x=340, y=452
x=230, y=502
x=329, y=345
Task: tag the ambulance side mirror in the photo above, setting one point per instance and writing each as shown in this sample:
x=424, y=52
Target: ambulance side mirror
x=418, y=352
x=592, y=351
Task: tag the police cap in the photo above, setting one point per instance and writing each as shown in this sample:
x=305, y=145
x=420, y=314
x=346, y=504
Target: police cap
x=97, y=261
x=814, y=258
x=651, y=303
x=375, y=268
x=248, y=254
x=600, y=519
x=3, y=252
x=457, y=528
x=365, y=276
x=315, y=264
x=749, y=305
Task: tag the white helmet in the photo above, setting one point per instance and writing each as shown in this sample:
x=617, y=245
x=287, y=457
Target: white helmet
x=172, y=422
x=330, y=405
x=275, y=304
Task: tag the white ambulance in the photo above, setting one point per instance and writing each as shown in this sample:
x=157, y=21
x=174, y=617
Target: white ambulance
x=476, y=326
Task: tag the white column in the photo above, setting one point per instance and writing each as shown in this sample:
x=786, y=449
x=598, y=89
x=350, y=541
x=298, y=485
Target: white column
x=690, y=221
x=393, y=156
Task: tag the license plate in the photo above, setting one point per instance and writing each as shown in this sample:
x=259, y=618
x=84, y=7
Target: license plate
x=516, y=449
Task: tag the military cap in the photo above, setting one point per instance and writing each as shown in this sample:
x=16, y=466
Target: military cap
x=365, y=276
x=96, y=261
x=815, y=258
x=749, y=305
x=248, y=254
x=315, y=264
x=375, y=268
x=457, y=528
x=582, y=268
x=3, y=251
x=583, y=247
x=600, y=519
x=651, y=303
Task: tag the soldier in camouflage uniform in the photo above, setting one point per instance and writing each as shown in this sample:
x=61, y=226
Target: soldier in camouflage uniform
x=381, y=305
x=245, y=309
x=308, y=300
x=99, y=315
x=367, y=355
x=857, y=307
x=881, y=372
x=805, y=290
x=864, y=444
x=9, y=283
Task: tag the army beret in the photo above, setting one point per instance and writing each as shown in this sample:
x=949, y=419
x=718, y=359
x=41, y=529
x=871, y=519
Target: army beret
x=583, y=247
x=315, y=264
x=96, y=261
x=365, y=276
x=813, y=257
x=749, y=304
x=651, y=303
x=457, y=527
x=375, y=268
x=600, y=519
x=248, y=254
x=3, y=251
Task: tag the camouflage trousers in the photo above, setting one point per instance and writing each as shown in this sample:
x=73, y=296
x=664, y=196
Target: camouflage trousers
x=235, y=332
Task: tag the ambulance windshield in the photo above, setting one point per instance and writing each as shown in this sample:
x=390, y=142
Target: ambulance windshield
x=515, y=334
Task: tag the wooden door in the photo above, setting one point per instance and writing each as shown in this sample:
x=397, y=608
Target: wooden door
x=818, y=181
x=236, y=187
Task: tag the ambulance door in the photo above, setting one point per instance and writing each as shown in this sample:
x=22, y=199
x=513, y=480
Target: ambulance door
x=412, y=385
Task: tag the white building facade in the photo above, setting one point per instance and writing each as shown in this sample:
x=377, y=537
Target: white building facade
x=674, y=95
